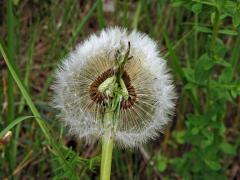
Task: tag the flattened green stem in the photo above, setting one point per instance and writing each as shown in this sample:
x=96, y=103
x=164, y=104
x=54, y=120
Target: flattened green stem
x=115, y=88
x=216, y=24
x=107, y=146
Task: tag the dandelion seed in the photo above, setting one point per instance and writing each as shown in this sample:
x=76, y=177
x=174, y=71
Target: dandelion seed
x=86, y=79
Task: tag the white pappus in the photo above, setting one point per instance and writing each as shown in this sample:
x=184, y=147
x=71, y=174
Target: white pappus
x=151, y=93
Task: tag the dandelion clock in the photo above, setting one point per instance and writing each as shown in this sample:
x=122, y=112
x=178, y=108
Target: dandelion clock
x=115, y=87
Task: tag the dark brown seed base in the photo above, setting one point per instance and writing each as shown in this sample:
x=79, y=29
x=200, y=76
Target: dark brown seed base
x=100, y=98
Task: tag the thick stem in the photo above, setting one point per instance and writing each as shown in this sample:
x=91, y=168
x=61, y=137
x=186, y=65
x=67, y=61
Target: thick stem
x=107, y=146
x=115, y=88
x=215, y=29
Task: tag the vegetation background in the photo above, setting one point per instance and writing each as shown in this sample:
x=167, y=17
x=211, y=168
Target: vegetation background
x=200, y=40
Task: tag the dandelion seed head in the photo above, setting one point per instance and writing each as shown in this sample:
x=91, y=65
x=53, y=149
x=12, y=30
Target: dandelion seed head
x=149, y=98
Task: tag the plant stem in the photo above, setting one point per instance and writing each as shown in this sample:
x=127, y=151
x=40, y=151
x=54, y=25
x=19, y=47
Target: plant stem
x=216, y=24
x=115, y=88
x=215, y=29
x=107, y=146
x=11, y=43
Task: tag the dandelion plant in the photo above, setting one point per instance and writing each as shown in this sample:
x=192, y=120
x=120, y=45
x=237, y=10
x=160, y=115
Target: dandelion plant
x=115, y=87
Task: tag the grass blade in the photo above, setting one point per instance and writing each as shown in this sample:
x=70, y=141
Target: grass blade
x=136, y=15
x=175, y=61
x=14, y=123
x=33, y=108
x=100, y=15
x=83, y=22
x=11, y=43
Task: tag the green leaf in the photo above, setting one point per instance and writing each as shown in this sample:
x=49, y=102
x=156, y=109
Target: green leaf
x=213, y=164
x=209, y=3
x=195, y=131
x=203, y=68
x=213, y=17
x=197, y=8
x=15, y=2
x=228, y=32
x=162, y=163
x=222, y=62
x=236, y=18
x=228, y=148
x=14, y=123
x=208, y=140
x=177, y=3
x=179, y=136
x=226, y=75
x=202, y=29
x=189, y=74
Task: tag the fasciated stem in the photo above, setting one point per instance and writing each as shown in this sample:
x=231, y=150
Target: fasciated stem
x=215, y=29
x=115, y=88
x=107, y=147
x=106, y=161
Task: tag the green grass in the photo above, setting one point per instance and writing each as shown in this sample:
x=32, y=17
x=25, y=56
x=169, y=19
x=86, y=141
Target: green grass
x=11, y=42
x=200, y=41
